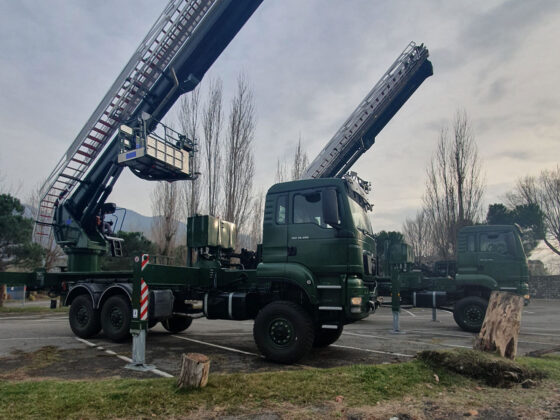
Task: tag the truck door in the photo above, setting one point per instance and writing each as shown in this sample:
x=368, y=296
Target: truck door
x=497, y=258
x=275, y=229
x=311, y=242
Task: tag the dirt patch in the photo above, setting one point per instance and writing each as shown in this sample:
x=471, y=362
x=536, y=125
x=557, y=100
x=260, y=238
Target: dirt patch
x=493, y=370
x=50, y=362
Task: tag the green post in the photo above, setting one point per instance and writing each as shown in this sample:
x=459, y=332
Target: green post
x=139, y=322
x=395, y=298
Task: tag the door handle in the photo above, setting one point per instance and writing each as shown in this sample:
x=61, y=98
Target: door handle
x=292, y=251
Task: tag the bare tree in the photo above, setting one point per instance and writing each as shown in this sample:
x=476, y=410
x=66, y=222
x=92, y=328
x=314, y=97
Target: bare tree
x=281, y=171
x=524, y=192
x=167, y=210
x=257, y=220
x=239, y=168
x=211, y=127
x=417, y=233
x=300, y=161
x=454, y=187
x=188, y=116
x=543, y=191
x=298, y=165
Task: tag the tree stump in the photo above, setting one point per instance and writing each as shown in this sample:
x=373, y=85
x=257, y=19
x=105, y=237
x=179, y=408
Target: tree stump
x=195, y=368
x=500, y=330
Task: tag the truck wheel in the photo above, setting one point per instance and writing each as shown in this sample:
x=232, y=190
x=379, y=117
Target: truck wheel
x=176, y=324
x=324, y=338
x=84, y=319
x=283, y=332
x=115, y=317
x=469, y=313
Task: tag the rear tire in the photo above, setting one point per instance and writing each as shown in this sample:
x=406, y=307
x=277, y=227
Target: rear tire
x=83, y=317
x=283, y=332
x=469, y=313
x=116, y=315
x=176, y=324
x=324, y=338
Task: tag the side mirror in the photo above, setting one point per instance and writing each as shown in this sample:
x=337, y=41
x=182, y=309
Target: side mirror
x=330, y=208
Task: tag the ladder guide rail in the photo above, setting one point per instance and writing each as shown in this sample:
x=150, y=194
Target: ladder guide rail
x=358, y=132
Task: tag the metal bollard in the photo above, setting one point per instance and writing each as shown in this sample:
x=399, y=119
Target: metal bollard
x=139, y=324
x=396, y=326
x=434, y=311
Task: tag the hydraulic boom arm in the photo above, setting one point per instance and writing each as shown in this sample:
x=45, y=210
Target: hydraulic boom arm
x=171, y=60
x=358, y=133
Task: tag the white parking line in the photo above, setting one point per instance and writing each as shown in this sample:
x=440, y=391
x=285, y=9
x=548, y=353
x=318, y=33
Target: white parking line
x=410, y=313
x=124, y=358
x=32, y=318
x=260, y=356
x=216, y=345
x=372, y=351
x=465, y=336
x=407, y=341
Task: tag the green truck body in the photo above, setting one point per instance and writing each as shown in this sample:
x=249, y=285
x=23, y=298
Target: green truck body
x=489, y=257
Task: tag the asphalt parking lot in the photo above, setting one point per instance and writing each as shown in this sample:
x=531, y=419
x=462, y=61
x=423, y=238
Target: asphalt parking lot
x=230, y=345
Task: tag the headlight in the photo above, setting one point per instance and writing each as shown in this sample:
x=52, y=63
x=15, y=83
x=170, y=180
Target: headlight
x=356, y=301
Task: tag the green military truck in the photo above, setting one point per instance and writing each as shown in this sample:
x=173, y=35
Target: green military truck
x=489, y=257
x=306, y=280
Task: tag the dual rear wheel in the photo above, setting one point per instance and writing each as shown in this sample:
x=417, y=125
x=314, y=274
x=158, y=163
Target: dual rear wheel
x=114, y=318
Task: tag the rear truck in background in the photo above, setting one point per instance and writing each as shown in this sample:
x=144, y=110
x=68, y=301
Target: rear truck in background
x=489, y=257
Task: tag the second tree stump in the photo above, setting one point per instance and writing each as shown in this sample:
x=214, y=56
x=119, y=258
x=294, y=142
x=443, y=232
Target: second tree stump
x=195, y=368
x=500, y=330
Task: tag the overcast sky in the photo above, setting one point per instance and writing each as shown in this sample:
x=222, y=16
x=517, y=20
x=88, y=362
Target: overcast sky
x=310, y=63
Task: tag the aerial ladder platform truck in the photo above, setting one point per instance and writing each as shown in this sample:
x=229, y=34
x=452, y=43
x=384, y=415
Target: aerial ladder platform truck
x=308, y=277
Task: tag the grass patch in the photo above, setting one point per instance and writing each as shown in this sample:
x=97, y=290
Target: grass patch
x=225, y=393
x=360, y=385
x=31, y=309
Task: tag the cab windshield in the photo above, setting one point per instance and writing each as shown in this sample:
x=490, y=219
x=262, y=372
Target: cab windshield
x=359, y=216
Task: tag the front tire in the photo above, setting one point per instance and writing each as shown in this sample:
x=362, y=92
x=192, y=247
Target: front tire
x=283, y=332
x=469, y=313
x=176, y=324
x=84, y=318
x=116, y=315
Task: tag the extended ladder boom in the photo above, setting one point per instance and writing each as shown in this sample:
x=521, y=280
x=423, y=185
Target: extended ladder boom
x=358, y=133
x=171, y=60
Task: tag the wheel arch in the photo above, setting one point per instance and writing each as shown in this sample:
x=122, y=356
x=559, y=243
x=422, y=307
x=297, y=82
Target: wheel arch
x=124, y=289
x=289, y=278
x=477, y=290
x=91, y=289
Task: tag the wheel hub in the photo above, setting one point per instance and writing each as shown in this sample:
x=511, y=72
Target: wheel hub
x=116, y=317
x=82, y=316
x=281, y=332
x=474, y=315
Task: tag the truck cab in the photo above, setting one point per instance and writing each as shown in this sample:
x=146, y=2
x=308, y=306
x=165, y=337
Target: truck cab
x=318, y=246
x=491, y=257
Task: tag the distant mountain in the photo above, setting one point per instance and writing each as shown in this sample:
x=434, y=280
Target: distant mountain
x=129, y=221
x=136, y=222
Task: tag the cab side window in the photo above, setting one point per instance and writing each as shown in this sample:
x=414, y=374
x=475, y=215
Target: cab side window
x=281, y=210
x=308, y=208
x=497, y=243
x=470, y=243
